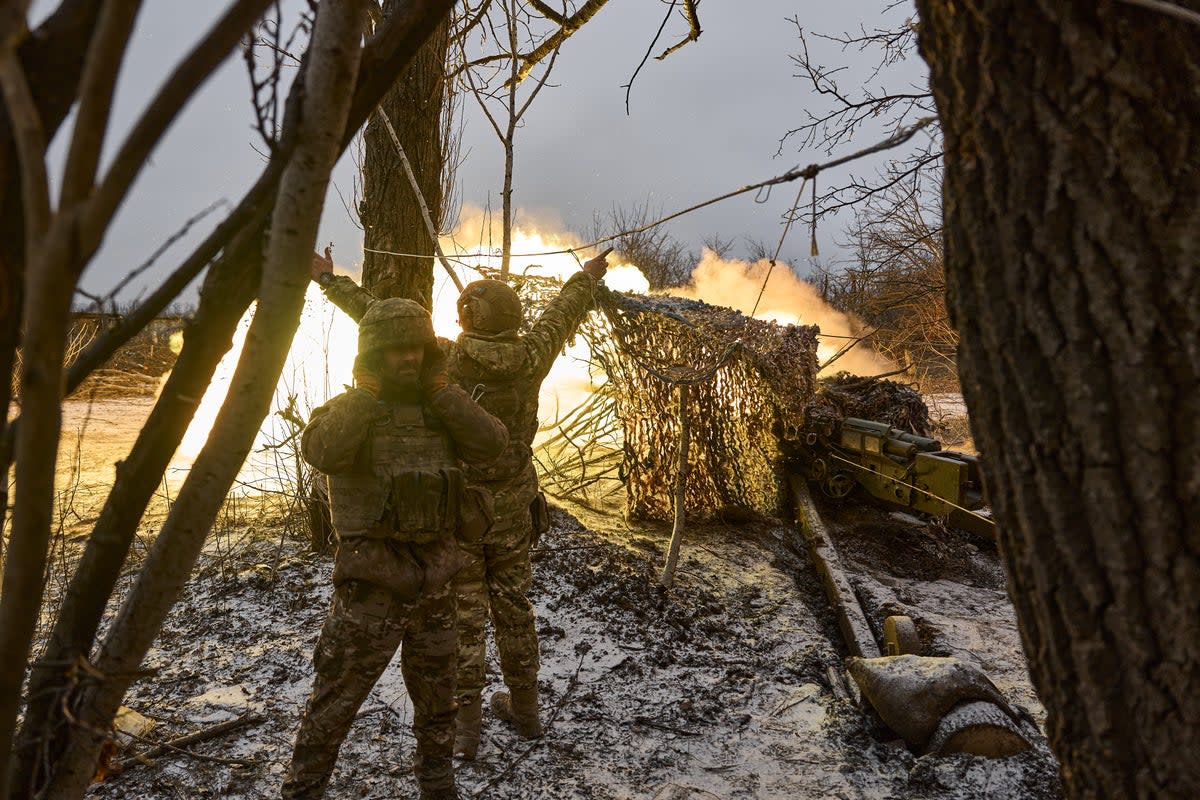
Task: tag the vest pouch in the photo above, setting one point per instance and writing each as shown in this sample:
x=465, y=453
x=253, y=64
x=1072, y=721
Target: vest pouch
x=425, y=506
x=479, y=514
x=380, y=562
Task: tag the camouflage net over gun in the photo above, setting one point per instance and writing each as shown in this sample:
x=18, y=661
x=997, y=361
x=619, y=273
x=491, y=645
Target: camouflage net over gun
x=750, y=381
x=845, y=395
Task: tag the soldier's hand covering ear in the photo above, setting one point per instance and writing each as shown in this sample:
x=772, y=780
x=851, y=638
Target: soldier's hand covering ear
x=433, y=372
x=366, y=376
x=598, y=265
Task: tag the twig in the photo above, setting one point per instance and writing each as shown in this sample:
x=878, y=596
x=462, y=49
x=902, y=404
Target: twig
x=571, y=547
x=158, y=251
x=416, y=187
x=178, y=745
x=629, y=86
x=650, y=723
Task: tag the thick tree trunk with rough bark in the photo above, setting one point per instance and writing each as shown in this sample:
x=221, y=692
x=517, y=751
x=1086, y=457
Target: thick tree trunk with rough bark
x=1072, y=203
x=391, y=216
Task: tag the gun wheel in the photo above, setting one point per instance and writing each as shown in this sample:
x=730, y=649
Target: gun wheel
x=816, y=469
x=838, y=485
x=900, y=637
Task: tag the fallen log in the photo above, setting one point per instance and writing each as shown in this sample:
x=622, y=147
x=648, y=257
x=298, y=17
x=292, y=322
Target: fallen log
x=850, y=617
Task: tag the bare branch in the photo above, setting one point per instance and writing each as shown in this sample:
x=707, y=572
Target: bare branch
x=30, y=138
x=104, y=58
x=548, y=12
x=200, y=63
x=470, y=22
x=689, y=10
x=541, y=82
x=111, y=295
x=629, y=86
x=567, y=29
x=832, y=128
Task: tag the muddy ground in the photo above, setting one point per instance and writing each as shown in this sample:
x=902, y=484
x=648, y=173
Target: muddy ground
x=726, y=686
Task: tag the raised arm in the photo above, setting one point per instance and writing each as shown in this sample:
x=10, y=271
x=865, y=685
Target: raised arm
x=341, y=290
x=563, y=315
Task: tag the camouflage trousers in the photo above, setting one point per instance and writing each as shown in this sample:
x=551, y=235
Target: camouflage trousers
x=495, y=582
x=364, y=627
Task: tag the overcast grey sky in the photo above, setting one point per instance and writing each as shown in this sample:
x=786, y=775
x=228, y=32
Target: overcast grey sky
x=706, y=120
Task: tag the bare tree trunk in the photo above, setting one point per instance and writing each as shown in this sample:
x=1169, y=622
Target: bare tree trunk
x=1072, y=220
x=226, y=295
x=50, y=272
x=52, y=61
x=66, y=35
x=509, y=141
x=391, y=214
x=333, y=66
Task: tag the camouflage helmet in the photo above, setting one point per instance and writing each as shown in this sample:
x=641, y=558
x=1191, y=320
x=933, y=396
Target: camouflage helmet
x=395, y=322
x=489, y=306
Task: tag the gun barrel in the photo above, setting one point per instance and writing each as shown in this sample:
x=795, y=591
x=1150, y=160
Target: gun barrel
x=899, y=447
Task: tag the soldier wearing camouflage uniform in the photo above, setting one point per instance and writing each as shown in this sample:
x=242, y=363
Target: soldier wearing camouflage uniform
x=392, y=449
x=504, y=370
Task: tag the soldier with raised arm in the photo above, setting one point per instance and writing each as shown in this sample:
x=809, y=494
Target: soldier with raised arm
x=392, y=448
x=504, y=369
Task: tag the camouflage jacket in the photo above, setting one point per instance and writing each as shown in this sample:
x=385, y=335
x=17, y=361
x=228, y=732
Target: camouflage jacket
x=396, y=494
x=504, y=372
x=337, y=432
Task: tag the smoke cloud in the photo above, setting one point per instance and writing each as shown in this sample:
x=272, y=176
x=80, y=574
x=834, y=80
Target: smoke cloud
x=787, y=300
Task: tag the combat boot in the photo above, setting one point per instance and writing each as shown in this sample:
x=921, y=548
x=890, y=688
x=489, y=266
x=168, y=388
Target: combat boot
x=439, y=792
x=466, y=729
x=521, y=709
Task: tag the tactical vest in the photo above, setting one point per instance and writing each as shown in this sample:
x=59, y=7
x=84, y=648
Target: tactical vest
x=511, y=399
x=407, y=485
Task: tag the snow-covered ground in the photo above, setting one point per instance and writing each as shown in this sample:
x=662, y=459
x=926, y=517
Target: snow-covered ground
x=726, y=686
x=722, y=687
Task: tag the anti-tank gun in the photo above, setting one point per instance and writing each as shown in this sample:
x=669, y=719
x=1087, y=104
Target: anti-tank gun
x=898, y=467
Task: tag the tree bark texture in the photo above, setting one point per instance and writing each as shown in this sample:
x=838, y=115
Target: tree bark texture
x=1072, y=225
x=334, y=66
x=391, y=215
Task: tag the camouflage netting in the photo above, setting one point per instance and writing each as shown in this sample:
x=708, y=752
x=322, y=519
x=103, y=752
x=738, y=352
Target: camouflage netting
x=749, y=382
x=845, y=395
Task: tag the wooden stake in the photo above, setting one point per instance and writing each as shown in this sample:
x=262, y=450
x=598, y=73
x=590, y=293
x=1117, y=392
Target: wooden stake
x=668, y=576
